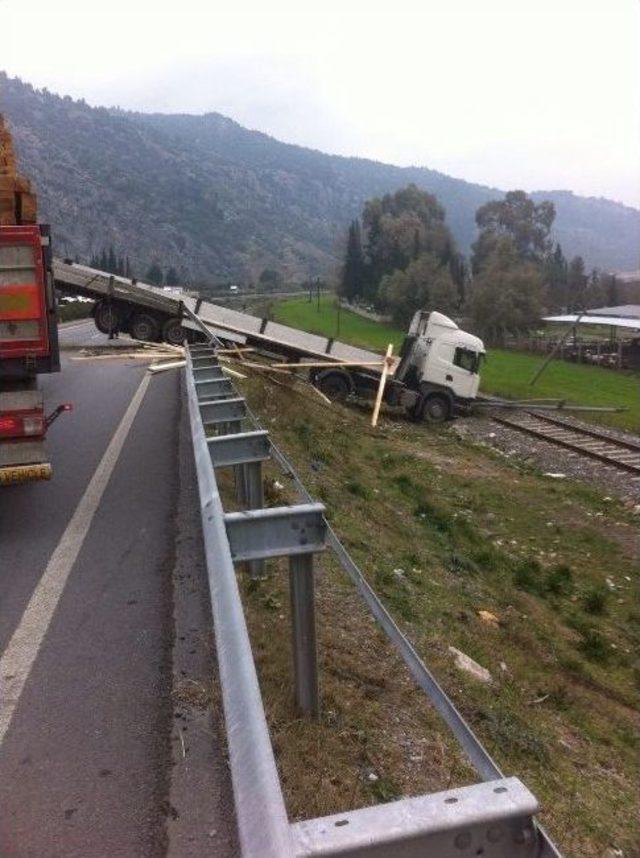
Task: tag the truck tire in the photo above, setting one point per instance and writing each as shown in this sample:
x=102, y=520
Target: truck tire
x=334, y=385
x=436, y=408
x=107, y=317
x=173, y=332
x=145, y=327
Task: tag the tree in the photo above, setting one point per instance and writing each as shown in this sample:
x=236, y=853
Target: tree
x=556, y=272
x=576, y=283
x=397, y=230
x=112, y=262
x=270, y=279
x=172, y=277
x=611, y=289
x=507, y=293
x=593, y=293
x=425, y=284
x=351, y=282
x=518, y=217
x=154, y=274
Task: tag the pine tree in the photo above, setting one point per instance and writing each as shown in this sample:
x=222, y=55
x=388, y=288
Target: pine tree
x=154, y=274
x=351, y=285
x=104, y=262
x=556, y=273
x=127, y=268
x=172, y=277
x=112, y=262
x=612, y=294
x=576, y=282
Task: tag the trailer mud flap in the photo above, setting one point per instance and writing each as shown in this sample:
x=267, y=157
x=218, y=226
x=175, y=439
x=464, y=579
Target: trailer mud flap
x=16, y=474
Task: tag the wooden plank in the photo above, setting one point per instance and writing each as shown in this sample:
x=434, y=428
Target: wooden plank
x=388, y=361
x=326, y=363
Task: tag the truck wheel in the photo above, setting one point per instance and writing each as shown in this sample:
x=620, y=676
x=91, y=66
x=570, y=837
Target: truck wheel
x=334, y=385
x=436, y=409
x=173, y=332
x=145, y=327
x=106, y=317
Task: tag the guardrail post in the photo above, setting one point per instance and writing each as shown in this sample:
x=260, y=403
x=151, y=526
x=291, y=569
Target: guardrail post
x=239, y=471
x=303, y=632
x=250, y=482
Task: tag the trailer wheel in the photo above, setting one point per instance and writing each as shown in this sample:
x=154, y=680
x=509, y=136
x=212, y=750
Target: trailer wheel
x=436, y=408
x=145, y=327
x=334, y=385
x=173, y=332
x=107, y=317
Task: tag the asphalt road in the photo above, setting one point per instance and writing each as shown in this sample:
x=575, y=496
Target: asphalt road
x=83, y=332
x=86, y=761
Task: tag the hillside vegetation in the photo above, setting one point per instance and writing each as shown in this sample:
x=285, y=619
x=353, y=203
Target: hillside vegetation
x=505, y=373
x=214, y=200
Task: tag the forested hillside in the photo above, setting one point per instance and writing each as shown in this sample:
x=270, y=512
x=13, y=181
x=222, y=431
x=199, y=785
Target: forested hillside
x=214, y=200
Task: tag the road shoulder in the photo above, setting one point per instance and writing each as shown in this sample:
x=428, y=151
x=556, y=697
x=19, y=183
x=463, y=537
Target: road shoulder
x=201, y=818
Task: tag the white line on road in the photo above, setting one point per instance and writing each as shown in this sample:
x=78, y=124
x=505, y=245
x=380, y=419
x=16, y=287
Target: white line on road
x=20, y=654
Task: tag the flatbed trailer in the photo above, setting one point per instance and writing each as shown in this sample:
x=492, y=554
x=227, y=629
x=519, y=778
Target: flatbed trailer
x=118, y=298
x=121, y=304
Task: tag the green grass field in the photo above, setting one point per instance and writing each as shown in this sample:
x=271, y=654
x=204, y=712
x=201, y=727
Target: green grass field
x=506, y=373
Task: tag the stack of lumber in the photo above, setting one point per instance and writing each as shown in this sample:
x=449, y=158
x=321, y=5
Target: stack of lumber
x=17, y=200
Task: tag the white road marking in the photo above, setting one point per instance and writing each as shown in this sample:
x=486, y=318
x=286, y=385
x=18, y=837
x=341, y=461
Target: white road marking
x=19, y=656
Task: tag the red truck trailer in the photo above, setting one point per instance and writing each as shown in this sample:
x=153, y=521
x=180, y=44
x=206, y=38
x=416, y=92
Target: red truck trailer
x=28, y=347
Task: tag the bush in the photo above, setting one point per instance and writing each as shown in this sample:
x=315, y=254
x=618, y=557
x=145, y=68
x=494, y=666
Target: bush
x=560, y=580
x=594, y=646
x=595, y=600
x=74, y=310
x=460, y=564
x=357, y=489
x=528, y=575
x=433, y=517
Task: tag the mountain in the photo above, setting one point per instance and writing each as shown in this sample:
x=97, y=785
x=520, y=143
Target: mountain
x=217, y=201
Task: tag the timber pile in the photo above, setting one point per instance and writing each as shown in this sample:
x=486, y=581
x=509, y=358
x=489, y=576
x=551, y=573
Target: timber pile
x=17, y=200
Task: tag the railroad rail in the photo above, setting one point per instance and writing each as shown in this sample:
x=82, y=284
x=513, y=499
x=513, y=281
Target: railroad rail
x=617, y=452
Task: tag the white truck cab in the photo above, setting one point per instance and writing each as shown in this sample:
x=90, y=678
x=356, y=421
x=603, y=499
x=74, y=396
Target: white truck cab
x=440, y=361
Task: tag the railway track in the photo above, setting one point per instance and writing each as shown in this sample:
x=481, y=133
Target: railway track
x=589, y=442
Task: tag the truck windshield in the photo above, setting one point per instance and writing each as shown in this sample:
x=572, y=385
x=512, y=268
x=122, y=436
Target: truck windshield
x=467, y=359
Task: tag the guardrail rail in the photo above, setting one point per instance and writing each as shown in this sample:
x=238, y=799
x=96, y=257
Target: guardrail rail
x=494, y=818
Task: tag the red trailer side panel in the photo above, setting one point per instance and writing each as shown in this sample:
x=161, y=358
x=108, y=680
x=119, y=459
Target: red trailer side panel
x=23, y=310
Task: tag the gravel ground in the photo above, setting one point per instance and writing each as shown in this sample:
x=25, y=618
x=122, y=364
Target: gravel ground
x=552, y=459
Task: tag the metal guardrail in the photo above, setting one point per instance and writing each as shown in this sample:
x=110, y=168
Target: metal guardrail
x=493, y=819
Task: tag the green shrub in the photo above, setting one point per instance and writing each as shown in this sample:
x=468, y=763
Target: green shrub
x=434, y=517
x=357, y=489
x=460, y=564
x=405, y=484
x=559, y=580
x=595, y=600
x=527, y=575
x=486, y=558
x=593, y=645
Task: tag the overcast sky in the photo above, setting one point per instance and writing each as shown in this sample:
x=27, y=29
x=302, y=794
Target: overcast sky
x=537, y=94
